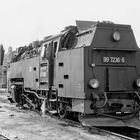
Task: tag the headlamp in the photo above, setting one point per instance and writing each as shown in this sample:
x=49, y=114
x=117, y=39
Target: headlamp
x=138, y=82
x=116, y=36
x=94, y=83
x=12, y=86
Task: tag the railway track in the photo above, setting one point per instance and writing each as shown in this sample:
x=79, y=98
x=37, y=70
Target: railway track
x=2, y=137
x=129, y=133
x=106, y=131
x=122, y=133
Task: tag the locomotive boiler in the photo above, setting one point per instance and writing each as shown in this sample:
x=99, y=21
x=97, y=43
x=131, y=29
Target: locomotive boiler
x=89, y=70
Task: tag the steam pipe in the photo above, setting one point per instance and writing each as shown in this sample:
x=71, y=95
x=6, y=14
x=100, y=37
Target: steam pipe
x=29, y=101
x=33, y=92
x=137, y=94
x=104, y=101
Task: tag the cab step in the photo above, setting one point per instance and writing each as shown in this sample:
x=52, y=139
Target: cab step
x=54, y=92
x=52, y=100
x=53, y=111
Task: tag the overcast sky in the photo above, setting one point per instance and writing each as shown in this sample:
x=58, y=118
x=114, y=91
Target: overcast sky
x=23, y=21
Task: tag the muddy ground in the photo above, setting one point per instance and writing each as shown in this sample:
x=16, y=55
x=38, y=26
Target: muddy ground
x=19, y=124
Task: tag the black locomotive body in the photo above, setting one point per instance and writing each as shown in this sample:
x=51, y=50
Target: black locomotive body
x=90, y=70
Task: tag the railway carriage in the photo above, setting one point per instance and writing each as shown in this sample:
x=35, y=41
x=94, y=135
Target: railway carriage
x=90, y=70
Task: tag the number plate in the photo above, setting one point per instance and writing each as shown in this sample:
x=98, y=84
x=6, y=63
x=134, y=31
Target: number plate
x=112, y=59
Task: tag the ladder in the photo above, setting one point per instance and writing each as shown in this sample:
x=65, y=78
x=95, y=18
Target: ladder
x=53, y=101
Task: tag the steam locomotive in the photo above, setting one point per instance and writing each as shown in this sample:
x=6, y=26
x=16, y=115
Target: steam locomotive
x=90, y=70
